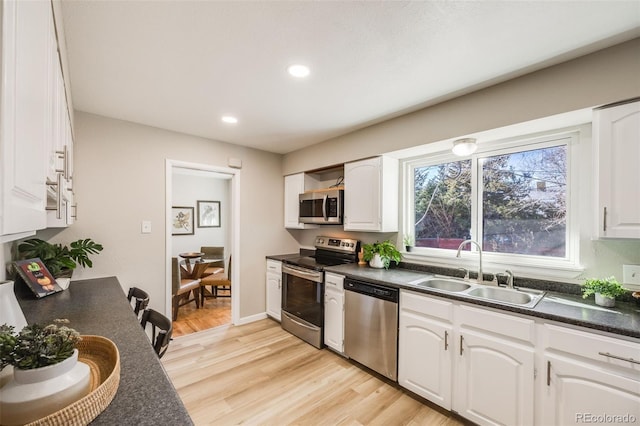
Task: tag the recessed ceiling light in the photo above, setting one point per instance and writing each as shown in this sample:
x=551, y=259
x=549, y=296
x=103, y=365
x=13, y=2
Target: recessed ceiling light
x=298, y=70
x=229, y=119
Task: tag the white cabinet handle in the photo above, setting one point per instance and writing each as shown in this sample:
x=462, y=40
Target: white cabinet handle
x=446, y=340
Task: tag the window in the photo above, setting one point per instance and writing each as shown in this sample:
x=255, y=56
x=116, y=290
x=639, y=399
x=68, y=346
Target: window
x=514, y=200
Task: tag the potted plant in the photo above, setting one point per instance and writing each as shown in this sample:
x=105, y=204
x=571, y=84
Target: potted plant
x=380, y=255
x=408, y=242
x=606, y=290
x=60, y=260
x=46, y=373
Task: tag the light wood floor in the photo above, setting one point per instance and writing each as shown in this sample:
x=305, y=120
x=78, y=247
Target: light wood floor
x=258, y=374
x=214, y=313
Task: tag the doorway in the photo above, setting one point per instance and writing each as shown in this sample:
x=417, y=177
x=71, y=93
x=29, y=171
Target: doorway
x=192, y=187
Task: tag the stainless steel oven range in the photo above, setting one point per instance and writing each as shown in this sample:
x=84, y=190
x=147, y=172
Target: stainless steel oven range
x=303, y=287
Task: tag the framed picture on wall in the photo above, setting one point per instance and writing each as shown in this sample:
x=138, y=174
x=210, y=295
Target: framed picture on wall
x=208, y=214
x=181, y=220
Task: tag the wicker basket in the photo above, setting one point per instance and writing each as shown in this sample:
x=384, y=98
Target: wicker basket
x=103, y=358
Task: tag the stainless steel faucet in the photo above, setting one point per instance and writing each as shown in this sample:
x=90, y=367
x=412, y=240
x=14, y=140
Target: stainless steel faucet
x=480, y=278
x=509, y=278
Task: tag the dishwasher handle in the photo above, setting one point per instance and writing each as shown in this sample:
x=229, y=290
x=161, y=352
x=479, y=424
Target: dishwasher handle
x=374, y=290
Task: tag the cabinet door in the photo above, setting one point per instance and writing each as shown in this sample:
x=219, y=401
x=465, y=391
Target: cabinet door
x=371, y=195
x=424, y=357
x=577, y=392
x=274, y=295
x=274, y=288
x=362, y=195
x=26, y=114
x=494, y=380
x=617, y=148
x=334, y=311
x=334, y=318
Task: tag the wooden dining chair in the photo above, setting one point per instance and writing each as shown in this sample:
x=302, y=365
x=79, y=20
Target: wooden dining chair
x=161, y=330
x=213, y=253
x=182, y=288
x=220, y=281
x=141, y=299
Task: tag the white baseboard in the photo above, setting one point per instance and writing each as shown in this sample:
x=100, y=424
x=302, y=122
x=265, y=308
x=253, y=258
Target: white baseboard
x=252, y=318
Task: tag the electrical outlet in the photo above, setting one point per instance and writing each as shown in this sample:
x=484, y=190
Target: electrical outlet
x=631, y=274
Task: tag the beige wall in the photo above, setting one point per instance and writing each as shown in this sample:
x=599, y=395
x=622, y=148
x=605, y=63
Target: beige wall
x=119, y=181
x=606, y=76
x=600, y=78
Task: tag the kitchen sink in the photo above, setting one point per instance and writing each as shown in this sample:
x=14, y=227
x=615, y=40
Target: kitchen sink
x=525, y=298
x=446, y=285
x=441, y=283
x=522, y=297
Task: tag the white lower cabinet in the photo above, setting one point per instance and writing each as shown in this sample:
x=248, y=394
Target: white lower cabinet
x=477, y=362
x=334, y=311
x=495, y=368
x=588, y=378
x=425, y=352
x=274, y=288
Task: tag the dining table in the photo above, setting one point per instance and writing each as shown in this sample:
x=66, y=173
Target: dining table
x=188, y=257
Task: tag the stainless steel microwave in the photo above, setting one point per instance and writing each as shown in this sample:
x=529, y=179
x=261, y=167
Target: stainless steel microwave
x=321, y=206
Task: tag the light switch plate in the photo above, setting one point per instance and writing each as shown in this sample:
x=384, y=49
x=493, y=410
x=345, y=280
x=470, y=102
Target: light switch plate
x=631, y=274
x=146, y=227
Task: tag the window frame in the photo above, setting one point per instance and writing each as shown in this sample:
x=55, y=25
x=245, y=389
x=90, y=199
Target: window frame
x=495, y=262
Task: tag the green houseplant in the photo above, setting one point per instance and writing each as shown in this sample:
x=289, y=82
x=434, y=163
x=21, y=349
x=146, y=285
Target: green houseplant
x=36, y=345
x=386, y=251
x=60, y=260
x=408, y=242
x=605, y=289
x=47, y=374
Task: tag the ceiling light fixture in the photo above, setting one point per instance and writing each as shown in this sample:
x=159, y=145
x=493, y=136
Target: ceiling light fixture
x=229, y=119
x=464, y=147
x=298, y=70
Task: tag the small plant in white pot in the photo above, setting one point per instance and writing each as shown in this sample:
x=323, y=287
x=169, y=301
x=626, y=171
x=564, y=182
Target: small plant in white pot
x=47, y=375
x=380, y=255
x=605, y=289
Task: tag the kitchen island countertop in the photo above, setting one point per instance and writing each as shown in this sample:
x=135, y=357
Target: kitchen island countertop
x=99, y=306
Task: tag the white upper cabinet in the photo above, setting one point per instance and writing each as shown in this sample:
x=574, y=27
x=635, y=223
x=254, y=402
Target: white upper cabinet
x=294, y=185
x=617, y=152
x=35, y=136
x=371, y=195
x=25, y=114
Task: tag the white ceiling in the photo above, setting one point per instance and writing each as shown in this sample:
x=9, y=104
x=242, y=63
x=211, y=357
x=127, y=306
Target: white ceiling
x=181, y=64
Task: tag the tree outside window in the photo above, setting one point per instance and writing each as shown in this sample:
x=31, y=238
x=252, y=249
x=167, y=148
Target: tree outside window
x=523, y=202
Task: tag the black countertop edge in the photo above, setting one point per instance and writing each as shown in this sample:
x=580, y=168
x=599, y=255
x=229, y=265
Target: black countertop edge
x=146, y=395
x=623, y=320
x=283, y=257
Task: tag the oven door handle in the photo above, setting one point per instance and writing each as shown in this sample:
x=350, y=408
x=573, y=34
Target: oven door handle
x=291, y=318
x=302, y=273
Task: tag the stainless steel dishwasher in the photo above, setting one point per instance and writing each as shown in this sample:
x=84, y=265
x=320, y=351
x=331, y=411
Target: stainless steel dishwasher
x=371, y=326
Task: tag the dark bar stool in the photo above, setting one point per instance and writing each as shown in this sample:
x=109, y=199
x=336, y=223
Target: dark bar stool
x=161, y=330
x=141, y=297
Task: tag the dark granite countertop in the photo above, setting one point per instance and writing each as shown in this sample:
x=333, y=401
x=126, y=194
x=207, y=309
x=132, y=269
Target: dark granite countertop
x=623, y=319
x=282, y=257
x=99, y=306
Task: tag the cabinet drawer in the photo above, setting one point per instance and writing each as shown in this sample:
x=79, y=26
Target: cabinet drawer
x=508, y=325
x=274, y=266
x=425, y=305
x=334, y=282
x=592, y=346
